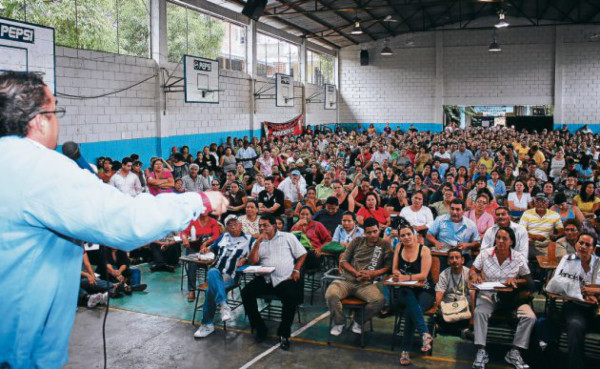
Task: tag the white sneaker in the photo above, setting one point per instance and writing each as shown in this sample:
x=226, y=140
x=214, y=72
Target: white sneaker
x=514, y=358
x=94, y=300
x=356, y=328
x=336, y=330
x=104, y=299
x=225, y=312
x=481, y=359
x=204, y=330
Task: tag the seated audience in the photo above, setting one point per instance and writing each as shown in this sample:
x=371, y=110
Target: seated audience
x=365, y=259
x=502, y=221
x=348, y=230
x=373, y=210
x=505, y=265
x=317, y=234
x=419, y=216
x=412, y=262
x=198, y=235
x=249, y=220
x=542, y=224
x=283, y=251
x=331, y=216
x=231, y=250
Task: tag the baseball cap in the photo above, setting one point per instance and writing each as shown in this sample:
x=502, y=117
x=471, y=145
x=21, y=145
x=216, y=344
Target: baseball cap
x=541, y=196
x=230, y=217
x=296, y=173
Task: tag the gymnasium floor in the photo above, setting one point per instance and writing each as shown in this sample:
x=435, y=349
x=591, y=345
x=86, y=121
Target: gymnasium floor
x=153, y=330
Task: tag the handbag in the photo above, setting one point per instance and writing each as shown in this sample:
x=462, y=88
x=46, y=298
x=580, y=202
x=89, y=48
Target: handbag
x=567, y=280
x=456, y=310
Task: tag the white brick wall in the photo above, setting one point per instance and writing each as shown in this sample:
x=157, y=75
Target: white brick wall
x=138, y=112
x=315, y=112
x=130, y=114
x=402, y=88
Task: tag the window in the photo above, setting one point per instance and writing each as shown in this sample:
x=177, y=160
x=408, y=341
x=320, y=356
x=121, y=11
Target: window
x=233, y=49
x=198, y=34
x=319, y=67
x=117, y=26
x=276, y=56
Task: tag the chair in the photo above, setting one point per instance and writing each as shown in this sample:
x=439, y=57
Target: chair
x=233, y=303
x=349, y=303
x=430, y=314
x=273, y=312
x=310, y=283
x=356, y=304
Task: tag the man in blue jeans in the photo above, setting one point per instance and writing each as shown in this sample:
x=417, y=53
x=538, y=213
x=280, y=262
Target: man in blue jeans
x=231, y=250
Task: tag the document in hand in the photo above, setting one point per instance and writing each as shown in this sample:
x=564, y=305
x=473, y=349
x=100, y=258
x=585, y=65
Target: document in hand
x=488, y=286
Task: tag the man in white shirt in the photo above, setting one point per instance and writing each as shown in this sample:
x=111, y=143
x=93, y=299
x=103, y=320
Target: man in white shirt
x=380, y=155
x=503, y=220
x=126, y=181
x=246, y=155
x=285, y=253
x=293, y=187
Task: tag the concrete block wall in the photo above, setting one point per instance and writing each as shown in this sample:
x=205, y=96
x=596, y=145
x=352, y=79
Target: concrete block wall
x=537, y=66
x=315, y=111
x=127, y=115
x=136, y=121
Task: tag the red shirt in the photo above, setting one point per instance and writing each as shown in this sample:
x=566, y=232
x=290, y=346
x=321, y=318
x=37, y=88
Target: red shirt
x=316, y=233
x=380, y=214
x=210, y=228
x=155, y=190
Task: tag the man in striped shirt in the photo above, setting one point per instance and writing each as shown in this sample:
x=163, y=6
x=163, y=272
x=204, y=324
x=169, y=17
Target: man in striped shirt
x=542, y=224
x=230, y=249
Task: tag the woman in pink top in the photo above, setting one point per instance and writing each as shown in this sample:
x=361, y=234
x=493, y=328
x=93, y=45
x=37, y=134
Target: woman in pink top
x=160, y=180
x=317, y=234
x=482, y=219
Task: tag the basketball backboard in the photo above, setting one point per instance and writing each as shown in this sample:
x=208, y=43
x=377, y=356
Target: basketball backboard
x=27, y=47
x=201, y=80
x=330, y=97
x=284, y=90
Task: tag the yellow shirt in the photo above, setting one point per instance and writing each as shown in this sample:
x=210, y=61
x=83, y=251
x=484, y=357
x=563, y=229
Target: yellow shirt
x=586, y=207
x=489, y=163
x=539, y=158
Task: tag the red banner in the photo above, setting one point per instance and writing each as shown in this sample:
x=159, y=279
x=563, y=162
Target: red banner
x=293, y=127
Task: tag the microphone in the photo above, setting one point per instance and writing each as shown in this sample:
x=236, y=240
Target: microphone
x=71, y=150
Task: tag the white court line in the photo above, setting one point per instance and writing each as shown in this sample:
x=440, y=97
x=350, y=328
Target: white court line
x=275, y=347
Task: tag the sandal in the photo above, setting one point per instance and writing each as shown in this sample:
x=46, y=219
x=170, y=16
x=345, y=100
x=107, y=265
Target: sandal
x=404, y=358
x=427, y=340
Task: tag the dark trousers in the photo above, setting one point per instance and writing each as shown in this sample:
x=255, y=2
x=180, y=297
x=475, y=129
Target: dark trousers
x=578, y=318
x=169, y=256
x=287, y=291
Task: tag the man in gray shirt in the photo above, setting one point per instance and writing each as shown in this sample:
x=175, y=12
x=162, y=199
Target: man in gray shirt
x=365, y=259
x=283, y=251
x=192, y=182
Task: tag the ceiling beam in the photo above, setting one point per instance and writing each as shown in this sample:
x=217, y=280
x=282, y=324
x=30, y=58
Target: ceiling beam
x=518, y=8
x=399, y=15
x=319, y=21
x=348, y=19
x=389, y=30
x=304, y=31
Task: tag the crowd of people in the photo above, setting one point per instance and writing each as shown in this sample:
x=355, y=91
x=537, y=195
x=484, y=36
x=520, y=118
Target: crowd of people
x=484, y=202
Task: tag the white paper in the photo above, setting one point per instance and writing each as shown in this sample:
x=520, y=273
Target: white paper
x=408, y=283
x=487, y=286
x=207, y=256
x=259, y=269
x=177, y=238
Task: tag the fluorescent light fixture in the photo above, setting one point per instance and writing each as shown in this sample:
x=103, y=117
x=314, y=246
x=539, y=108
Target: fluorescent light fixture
x=386, y=51
x=502, y=23
x=357, y=30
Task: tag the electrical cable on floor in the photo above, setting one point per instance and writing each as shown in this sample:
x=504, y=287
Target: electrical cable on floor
x=105, y=316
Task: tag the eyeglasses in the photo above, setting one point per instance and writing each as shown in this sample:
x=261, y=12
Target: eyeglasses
x=59, y=112
x=215, y=184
